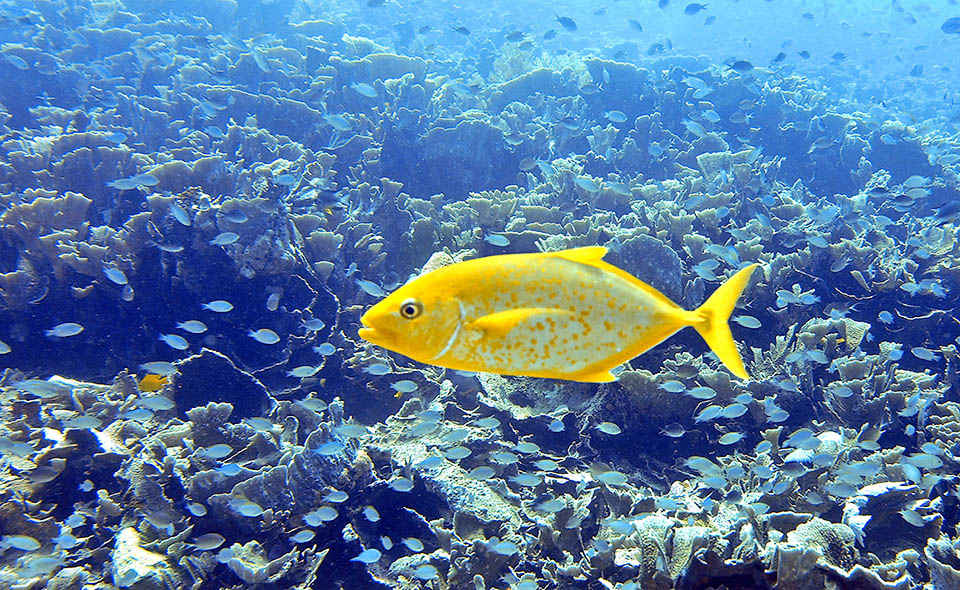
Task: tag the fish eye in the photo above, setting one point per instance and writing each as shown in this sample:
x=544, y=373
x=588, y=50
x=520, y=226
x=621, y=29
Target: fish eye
x=411, y=308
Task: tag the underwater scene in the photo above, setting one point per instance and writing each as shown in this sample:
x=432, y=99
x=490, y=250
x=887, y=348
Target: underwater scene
x=514, y=295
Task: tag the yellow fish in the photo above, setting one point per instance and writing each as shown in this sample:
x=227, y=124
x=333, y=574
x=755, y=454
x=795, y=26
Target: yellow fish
x=151, y=382
x=563, y=315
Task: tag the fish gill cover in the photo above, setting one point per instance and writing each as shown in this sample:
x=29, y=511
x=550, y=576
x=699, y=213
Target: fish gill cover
x=199, y=200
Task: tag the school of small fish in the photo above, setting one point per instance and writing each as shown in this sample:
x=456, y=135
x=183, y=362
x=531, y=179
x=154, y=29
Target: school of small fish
x=363, y=296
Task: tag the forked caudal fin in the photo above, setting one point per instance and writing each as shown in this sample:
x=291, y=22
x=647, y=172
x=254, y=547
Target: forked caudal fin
x=715, y=314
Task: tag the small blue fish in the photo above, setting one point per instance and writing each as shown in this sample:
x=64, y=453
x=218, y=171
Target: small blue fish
x=174, y=341
x=320, y=515
x=710, y=115
x=586, y=184
x=615, y=116
x=170, y=247
x=842, y=391
x=488, y=422
x=404, y=386
x=264, y=336
x=527, y=480
x=673, y=386
x=197, y=509
x=218, y=306
x=138, y=415
x=608, y=428
x=16, y=61
x=705, y=269
x=694, y=127
x=481, y=473
x=708, y=413
x=217, y=451
x=673, y=430
x=702, y=393
x=916, y=181
x=505, y=548
x=457, y=453
x=778, y=415
x=734, y=410
x=236, y=216
x=156, y=403
x=123, y=184
x=911, y=288
x=336, y=496
x=377, y=369
x=162, y=368
x=351, y=430
x=546, y=465
x=747, y=321
x=364, y=89
x=224, y=239
x=115, y=275
x=314, y=325
x=329, y=449
x=371, y=288
x=496, y=240
x=546, y=168
x=325, y=349
x=400, y=484
x=146, y=180
x=371, y=514
x=526, y=447
x=303, y=372
x=428, y=572
x=64, y=330
x=924, y=354
x=430, y=463
x=273, y=301
x=304, y=536
x=229, y=470
x=338, y=122
x=413, y=544
x=368, y=556
x=192, y=326
x=611, y=478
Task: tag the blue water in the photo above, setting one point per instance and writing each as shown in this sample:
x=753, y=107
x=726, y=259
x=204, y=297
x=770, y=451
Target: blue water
x=210, y=194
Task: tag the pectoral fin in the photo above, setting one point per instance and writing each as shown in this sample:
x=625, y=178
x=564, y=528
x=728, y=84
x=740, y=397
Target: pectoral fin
x=500, y=323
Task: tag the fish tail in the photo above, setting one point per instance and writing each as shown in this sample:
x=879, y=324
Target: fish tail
x=714, y=317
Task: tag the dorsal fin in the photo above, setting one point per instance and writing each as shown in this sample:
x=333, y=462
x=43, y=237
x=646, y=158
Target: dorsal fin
x=589, y=255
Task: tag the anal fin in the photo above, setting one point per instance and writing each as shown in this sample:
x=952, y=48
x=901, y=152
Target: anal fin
x=602, y=376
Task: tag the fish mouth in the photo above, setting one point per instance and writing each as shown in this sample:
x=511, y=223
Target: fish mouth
x=373, y=335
